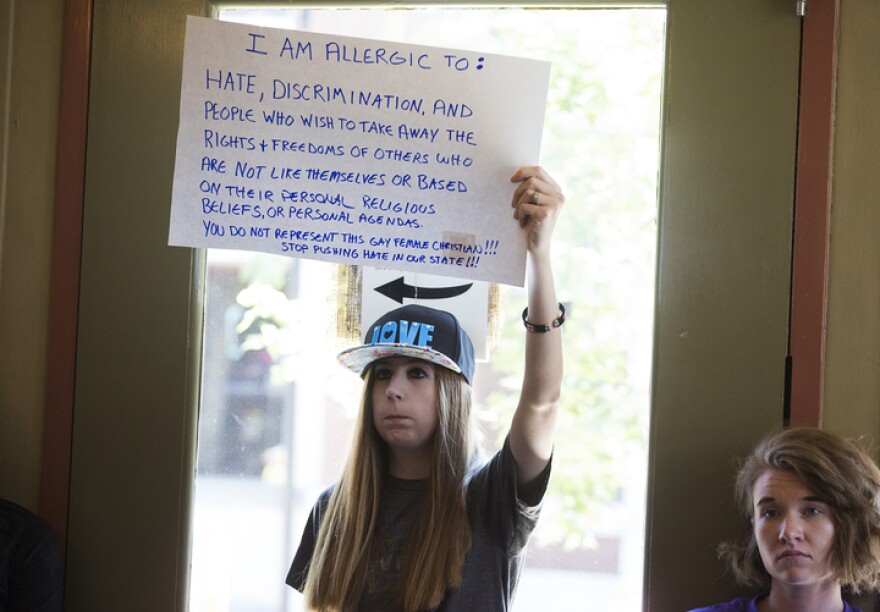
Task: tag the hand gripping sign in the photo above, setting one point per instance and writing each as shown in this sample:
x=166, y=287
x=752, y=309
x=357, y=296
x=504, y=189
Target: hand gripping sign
x=354, y=151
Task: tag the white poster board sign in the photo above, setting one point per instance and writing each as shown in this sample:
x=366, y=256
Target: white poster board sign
x=354, y=151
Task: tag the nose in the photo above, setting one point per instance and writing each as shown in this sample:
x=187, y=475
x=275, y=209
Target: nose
x=791, y=529
x=394, y=390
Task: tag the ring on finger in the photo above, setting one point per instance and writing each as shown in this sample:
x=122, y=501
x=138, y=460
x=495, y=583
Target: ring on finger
x=534, y=198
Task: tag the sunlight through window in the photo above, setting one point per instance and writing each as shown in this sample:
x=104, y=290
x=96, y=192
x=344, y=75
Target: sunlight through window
x=277, y=411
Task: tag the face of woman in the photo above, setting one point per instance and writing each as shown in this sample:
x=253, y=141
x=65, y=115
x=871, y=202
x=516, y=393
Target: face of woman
x=793, y=528
x=404, y=400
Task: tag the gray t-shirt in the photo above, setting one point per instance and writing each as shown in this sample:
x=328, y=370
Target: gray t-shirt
x=500, y=522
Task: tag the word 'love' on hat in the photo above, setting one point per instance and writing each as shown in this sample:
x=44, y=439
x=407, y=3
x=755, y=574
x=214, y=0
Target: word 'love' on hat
x=414, y=331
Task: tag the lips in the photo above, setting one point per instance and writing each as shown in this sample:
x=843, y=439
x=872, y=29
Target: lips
x=789, y=554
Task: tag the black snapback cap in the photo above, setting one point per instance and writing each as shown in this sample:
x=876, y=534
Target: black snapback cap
x=415, y=331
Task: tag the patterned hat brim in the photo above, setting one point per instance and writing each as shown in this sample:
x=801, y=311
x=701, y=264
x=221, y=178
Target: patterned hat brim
x=358, y=358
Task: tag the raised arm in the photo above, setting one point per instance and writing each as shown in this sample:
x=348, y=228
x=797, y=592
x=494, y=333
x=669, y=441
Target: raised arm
x=537, y=202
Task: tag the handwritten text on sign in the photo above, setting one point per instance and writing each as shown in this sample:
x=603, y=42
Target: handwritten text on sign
x=354, y=151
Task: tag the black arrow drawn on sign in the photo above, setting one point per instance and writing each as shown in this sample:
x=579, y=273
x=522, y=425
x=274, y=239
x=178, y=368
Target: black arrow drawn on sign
x=397, y=290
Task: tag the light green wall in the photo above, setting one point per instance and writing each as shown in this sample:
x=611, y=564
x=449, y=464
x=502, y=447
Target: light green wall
x=30, y=56
x=139, y=333
x=30, y=44
x=723, y=285
x=852, y=375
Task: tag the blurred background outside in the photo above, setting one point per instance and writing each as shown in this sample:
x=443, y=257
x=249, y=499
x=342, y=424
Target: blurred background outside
x=277, y=410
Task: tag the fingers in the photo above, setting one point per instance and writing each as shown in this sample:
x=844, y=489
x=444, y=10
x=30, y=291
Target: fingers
x=526, y=172
x=536, y=197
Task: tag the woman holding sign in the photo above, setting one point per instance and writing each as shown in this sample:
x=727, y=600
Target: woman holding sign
x=415, y=523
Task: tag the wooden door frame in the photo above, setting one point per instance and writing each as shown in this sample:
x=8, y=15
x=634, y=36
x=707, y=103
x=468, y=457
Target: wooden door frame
x=812, y=211
x=809, y=261
x=66, y=259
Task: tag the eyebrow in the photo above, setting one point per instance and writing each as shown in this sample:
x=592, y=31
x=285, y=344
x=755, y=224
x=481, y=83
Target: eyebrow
x=808, y=498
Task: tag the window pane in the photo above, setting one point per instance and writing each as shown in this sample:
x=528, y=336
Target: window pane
x=277, y=410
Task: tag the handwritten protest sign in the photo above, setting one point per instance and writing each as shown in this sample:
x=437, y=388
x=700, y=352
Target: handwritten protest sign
x=354, y=151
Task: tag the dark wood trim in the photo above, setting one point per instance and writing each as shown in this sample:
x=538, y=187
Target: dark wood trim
x=811, y=211
x=66, y=256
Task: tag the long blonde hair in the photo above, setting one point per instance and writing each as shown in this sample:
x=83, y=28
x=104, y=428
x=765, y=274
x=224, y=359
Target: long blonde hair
x=439, y=537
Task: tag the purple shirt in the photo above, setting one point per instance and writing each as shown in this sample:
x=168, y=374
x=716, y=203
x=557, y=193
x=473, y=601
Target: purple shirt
x=749, y=604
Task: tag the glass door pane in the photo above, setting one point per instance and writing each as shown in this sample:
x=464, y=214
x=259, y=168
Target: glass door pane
x=277, y=410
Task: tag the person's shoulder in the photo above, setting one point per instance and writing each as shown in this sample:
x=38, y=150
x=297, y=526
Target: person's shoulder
x=324, y=496
x=741, y=604
x=323, y=500
x=13, y=512
x=484, y=464
x=18, y=520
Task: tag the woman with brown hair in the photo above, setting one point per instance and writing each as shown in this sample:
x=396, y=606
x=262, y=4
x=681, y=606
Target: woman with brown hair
x=811, y=500
x=414, y=524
